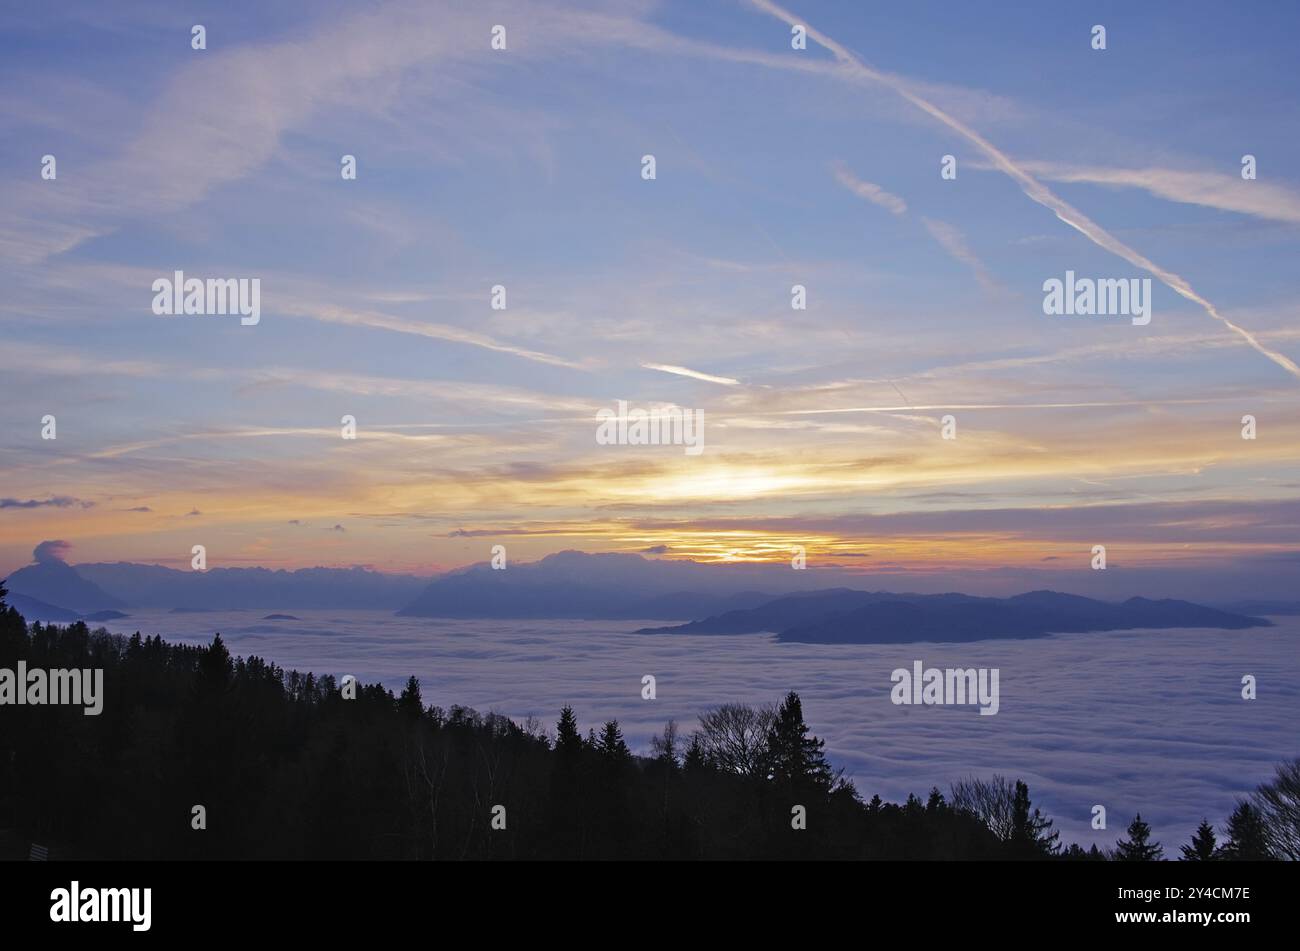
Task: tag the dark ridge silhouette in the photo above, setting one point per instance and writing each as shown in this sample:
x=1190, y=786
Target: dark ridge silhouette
x=842, y=616
x=613, y=586
x=1261, y=607
x=575, y=584
x=60, y=584
x=221, y=588
x=92, y=588
x=39, y=610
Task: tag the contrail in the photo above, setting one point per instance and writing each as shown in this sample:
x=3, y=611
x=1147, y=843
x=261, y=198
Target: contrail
x=1035, y=189
x=693, y=374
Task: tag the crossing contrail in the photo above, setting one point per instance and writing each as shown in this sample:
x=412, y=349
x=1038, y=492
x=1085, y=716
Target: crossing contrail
x=1035, y=189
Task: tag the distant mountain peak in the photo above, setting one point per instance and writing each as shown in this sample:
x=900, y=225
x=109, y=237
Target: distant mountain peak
x=57, y=583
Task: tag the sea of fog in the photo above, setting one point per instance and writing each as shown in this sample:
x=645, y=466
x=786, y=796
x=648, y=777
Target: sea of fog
x=1139, y=721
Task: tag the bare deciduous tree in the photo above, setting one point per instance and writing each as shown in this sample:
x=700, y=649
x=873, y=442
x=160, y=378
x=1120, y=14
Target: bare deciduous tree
x=734, y=737
x=666, y=746
x=1278, y=802
x=992, y=801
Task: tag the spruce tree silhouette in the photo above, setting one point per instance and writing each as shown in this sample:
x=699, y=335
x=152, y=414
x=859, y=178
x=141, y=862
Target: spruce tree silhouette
x=612, y=822
x=795, y=760
x=1031, y=832
x=568, y=741
x=1247, y=839
x=1138, y=847
x=1076, y=852
x=611, y=747
x=215, y=666
x=410, y=704
x=568, y=808
x=13, y=630
x=1202, y=848
x=694, y=760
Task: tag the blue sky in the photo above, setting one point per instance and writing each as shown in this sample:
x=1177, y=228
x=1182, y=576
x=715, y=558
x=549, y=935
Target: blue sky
x=521, y=167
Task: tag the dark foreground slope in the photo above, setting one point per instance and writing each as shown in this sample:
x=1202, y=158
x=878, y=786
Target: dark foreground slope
x=286, y=766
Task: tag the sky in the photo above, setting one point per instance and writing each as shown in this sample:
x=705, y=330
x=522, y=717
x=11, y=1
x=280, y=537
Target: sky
x=523, y=168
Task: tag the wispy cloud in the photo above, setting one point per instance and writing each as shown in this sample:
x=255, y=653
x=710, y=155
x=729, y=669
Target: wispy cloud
x=189, y=141
x=954, y=242
x=1224, y=192
x=868, y=190
x=58, y=501
x=948, y=235
x=419, y=328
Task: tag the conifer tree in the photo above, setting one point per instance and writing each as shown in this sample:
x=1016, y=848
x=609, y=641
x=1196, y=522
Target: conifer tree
x=695, y=760
x=792, y=755
x=568, y=801
x=13, y=630
x=1138, y=847
x=215, y=665
x=1202, y=848
x=1031, y=832
x=568, y=741
x=1247, y=839
x=410, y=703
x=611, y=746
